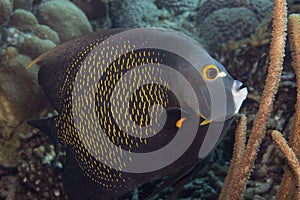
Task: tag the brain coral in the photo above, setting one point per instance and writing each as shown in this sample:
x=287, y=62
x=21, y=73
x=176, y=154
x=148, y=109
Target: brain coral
x=224, y=20
x=23, y=20
x=210, y=6
x=33, y=46
x=23, y=4
x=177, y=6
x=133, y=13
x=46, y=33
x=65, y=18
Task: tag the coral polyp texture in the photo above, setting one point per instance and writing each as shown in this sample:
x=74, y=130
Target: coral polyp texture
x=230, y=20
x=6, y=7
x=65, y=18
x=177, y=7
x=23, y=20
x=133, y=13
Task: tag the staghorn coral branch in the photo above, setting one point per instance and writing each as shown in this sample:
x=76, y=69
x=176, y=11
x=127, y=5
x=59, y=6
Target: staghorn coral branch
x=290, y=156
x=238, y=151
x=287, y=184
x=294, y=36
x=238, y=183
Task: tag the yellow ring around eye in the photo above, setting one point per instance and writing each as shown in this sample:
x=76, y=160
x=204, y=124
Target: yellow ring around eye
x=210, y=72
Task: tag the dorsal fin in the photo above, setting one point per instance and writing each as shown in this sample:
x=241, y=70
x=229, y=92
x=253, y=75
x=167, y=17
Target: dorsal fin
x=57, y=62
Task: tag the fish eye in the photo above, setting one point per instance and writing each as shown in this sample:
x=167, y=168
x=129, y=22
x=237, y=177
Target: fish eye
x=210, y=72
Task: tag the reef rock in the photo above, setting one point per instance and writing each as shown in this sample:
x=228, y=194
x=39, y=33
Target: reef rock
x=6, y=7
x=177, y=6
x=230, y=20
x=65, y=18
x=133, y=13
x=93, y=9
x=23, y=4
x=10, y=37
x=20, y=94
x=215, y=29
x=46, y=33
x=23, y=20
x=33, y=46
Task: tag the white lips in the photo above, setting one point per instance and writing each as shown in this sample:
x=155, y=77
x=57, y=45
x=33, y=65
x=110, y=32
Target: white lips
x=239, y=95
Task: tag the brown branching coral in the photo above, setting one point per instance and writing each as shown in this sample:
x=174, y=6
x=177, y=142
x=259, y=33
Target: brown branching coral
x=287, y=184
x=238, y=151
x=294, y=36
x=240, y=177
x=291, y=158
x=240, y=168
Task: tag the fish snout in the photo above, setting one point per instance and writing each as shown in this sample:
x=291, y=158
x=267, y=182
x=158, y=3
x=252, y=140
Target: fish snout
x=239, y=94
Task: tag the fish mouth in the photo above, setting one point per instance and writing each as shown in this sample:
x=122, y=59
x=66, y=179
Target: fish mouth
x=239, y=94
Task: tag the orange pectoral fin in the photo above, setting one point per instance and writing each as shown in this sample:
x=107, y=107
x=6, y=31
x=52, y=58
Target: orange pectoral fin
x=179, y=122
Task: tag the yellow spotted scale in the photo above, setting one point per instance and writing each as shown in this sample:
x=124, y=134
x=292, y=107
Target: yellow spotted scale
x=124, y=95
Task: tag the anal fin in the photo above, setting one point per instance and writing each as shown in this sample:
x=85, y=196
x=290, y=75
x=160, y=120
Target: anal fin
x=47, y=125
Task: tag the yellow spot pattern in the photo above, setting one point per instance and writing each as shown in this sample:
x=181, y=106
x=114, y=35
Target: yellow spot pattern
x=137, y=110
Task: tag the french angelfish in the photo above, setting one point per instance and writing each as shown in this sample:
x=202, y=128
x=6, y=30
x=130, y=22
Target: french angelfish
x=134, y=105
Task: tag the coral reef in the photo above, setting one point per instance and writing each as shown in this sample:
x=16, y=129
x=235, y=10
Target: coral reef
x=17, y=105
x=260, y=7
x=42, y=178
x=30, y=176
x=19, y=102
x=288, y=183
x=259, y=38
x=143, y=13
x=237, y=32
x=238, y=151
x=240, y=169
x=46, y=33
x=7, y=187
x=65, y=18
x=10, y=145
x=96, y=12
x=177, y=7
x=22, y=20
x=19, y=33
x=23, y=4
x=26, y=156
x=36, y=45
x=11, y=37
x=6, y=7
x=293, y=163
x=133, y=13
x=293, y=6
x=93, y=9
x=227, y=24
x=223, y=21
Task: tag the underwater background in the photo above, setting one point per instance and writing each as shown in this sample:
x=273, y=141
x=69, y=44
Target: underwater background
x=235, y=32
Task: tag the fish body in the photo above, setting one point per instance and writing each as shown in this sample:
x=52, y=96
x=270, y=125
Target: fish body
x=134, y=105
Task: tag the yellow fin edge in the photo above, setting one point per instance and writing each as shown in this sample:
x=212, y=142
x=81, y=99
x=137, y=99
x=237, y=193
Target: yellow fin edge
x=206, y=121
